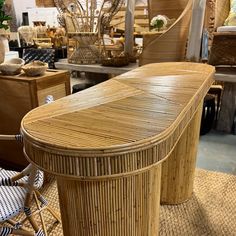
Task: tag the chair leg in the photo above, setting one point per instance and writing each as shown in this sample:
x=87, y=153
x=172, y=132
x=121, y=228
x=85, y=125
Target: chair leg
x=29, y=215
x=22, y=232
x=5, y=231
x=14, y=223
x=40, y=214
x=30, y=218
x=54, y=213
x=218, y=104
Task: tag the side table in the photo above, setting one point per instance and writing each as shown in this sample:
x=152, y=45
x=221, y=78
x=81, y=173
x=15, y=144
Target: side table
x=19, y=94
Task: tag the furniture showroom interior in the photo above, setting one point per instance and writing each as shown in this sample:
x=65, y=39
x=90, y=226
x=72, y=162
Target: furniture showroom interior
x=118, y=117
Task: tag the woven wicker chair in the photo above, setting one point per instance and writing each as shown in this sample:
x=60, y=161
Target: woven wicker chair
x=17, y=192
x=85, y=22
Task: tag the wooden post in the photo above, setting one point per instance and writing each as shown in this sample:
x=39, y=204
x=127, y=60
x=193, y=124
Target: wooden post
x=195, y=33
x=129, y=27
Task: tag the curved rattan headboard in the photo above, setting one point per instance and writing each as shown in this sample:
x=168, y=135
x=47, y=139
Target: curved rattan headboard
x=171, y=45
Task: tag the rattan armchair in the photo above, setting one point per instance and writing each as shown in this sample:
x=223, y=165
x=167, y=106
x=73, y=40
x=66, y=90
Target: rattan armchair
x=86, y=22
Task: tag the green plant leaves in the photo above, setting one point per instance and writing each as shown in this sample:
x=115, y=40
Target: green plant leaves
x=3, y=17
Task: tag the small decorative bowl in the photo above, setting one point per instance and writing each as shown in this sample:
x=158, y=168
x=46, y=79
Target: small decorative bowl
x=12, y=66
x=35, y=68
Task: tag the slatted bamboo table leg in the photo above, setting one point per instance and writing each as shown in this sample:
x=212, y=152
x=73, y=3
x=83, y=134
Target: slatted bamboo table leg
x=121, y=206
x=178, y=170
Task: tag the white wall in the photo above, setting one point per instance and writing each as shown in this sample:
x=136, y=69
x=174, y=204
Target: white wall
x=22, y=6
x=48, y=14
x=141, y=2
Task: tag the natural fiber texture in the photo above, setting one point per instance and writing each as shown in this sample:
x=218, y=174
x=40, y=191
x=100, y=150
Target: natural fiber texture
x=211, y=211
x=223, y=49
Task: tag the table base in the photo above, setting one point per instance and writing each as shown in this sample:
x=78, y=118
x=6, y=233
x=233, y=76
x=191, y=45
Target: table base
x=126, y=206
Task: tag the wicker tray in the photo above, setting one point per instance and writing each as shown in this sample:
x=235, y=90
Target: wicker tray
x=115, y=61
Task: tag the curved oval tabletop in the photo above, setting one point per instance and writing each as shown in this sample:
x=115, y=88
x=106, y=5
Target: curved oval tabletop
x=141, y=110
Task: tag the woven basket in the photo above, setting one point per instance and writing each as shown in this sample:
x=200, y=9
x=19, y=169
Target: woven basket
x=223, y=49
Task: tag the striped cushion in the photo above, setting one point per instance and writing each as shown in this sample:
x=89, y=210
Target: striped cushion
x=12, y=197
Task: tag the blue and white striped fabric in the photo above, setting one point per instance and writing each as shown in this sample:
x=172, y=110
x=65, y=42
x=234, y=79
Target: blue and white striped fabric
x=5, y=231
x=11, y=197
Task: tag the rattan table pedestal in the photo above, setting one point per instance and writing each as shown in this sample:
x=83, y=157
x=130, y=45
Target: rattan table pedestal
x=178, y=169
x=121, y=206
x=106, y=145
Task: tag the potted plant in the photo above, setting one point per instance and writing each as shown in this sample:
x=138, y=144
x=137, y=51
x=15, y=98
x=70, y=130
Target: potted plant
x=4, y=18
x=158, y=22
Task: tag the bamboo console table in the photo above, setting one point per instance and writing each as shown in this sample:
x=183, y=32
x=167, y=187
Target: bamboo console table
x=119, y=148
